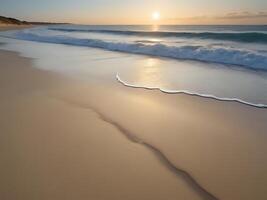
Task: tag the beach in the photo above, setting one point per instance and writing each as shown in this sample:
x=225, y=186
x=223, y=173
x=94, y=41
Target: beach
x=5, y=27
x=64, y=137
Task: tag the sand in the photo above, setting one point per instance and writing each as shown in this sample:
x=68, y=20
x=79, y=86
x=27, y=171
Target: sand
x=5, y=27
x=53, y=150
x=70, y=139
x=222, y=145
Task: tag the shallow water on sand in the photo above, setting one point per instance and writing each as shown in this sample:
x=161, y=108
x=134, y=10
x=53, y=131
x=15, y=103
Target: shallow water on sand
x=192, y=77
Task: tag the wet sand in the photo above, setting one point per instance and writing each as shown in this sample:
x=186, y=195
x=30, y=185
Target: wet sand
x=53, y=150
x=71, y=139
x=221, y=145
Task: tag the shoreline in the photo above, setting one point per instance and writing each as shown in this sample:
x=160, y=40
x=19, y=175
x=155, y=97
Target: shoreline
x=185, y=92
x=31, y=121
x=223, y=134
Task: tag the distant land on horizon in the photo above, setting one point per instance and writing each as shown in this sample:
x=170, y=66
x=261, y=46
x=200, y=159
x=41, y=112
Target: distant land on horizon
x=13, y=21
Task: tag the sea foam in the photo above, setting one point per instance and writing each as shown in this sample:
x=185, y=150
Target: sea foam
x=259, y=105
x=224, y=55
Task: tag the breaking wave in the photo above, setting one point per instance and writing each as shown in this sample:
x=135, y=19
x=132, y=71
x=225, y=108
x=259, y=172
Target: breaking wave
x=224, y=55
x=256, y=37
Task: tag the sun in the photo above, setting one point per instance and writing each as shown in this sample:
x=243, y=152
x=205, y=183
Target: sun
x=156, y=15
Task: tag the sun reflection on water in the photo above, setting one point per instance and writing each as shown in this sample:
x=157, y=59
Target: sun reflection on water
x=150, y=62
x=155, y=27
x=149, y=72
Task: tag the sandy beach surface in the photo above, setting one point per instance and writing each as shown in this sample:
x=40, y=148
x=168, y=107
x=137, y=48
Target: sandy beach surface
x=64, y=138
x=5, y=27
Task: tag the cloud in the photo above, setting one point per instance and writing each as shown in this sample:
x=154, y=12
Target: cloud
x=232, y=16
x=243, y=15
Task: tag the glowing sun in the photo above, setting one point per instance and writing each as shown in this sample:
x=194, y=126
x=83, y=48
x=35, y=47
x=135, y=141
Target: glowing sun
x=156, y=15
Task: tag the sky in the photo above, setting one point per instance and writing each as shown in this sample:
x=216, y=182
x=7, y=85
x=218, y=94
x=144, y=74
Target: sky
x=138, y=11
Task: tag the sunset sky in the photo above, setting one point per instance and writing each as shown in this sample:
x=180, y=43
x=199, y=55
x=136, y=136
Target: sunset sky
x=138, y=11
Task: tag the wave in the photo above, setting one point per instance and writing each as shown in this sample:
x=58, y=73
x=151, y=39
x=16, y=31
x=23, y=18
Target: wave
x=259, y=105
x=250, y=37
x=245, y=58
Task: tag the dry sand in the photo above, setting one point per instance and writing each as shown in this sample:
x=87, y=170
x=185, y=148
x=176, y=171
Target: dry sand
x=66, y=139
x=5, y=27
x=53, y=150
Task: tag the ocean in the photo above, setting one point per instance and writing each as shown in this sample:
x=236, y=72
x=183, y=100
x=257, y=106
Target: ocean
x=226, y=63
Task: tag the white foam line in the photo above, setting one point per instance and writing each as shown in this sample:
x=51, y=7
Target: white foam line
x=191, y=93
